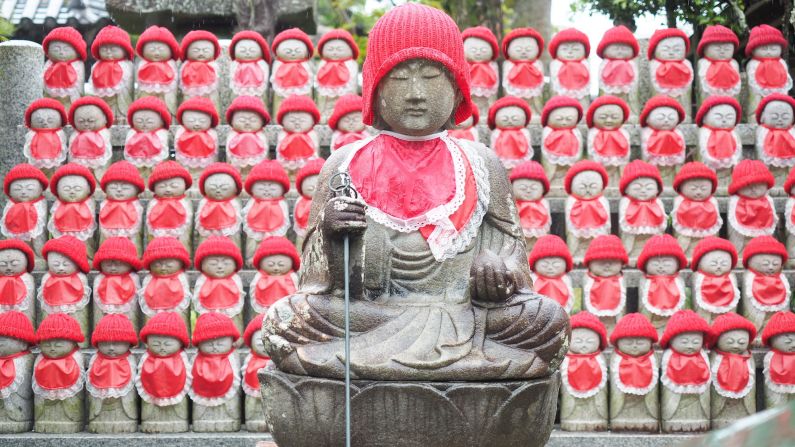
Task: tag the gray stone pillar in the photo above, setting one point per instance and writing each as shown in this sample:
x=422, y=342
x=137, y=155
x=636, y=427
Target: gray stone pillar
x=21, y=82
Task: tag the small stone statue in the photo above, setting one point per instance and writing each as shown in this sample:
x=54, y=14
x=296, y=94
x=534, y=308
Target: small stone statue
x=297, y=141
x=338, y=71
x=72, y=212
x=583, y=396
x=90, y=144
x=719, y=144
x=112, y=75
x=59, y=376
x=529, y=185
x=561, y=140
x=306, y=183
x=641, y=214
x=292, y=69
x=346, y=121
x=121, y=213
x=604, y=292
x=256, y=359
x=751, y=210
x=45, y=140
x=169, y=213
x=523, y=70
x=468, y=129
x=246, y=144
x=715, y=289
x=215, y=390
x=695, y=214
x=218, y=213
x=550, y=262
x=733, y=370
x=662, y=143
x=17, y=286
x=510, y=139
x=718, y=72
x=117, y=284
x=766, y=290
x=789, y=216
x=608, y=138
x=164, y=375
x=16, y=369
x=147, y=141
x=64, y=70
x=277, y=262
x=634, y=374
x=110, y=382
x=618, y=71
x=64, y=288
x=671, y=72
x=196, y=140
x=25, y=211
x=266, y=213
x=199, y=73
x=250, y=69
x=775, y=134
x=767, y=70
x=157, y=68
x=685, y=374
x=779, y=336
x=569, y=70
x=165, y=288
x=482, y=51
x=587, y=210
x=661, y=290
x=219, y=288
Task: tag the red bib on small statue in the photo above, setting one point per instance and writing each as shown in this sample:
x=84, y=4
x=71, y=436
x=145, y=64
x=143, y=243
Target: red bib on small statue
x=219, y=293
x=110, y=372
x=167, y=212
x=672, y=74
x=636, y=372
x=57, y=374
x=333, y=73
x=573, y=75
x=291, y=74
x=605, y=292
x=272, y=288
x=163, y=377
x=717, y=291
x=73, y=216
x=116, y=290
x=584, y=372
x=63, y=290
x=217, y=214
x=119, y=214
x=617, y=72
x=266, y=215
x=687, y=370
x=107, y=74
x=164, y=292
x=45, y=144
x=212, y=375
x=22, y=217
x=12, y=290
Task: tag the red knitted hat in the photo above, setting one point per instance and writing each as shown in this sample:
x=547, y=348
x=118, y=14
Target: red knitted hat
x=297, y=103
x=717, y=34
x=665, y=33
x=582, y=166
x=253, y=326
x=123, y=171
x=662, y=245
x=17, y=325
x=117, y=249
x=72, y=169
x=760, y=108
x=312, y=167
x=16, y=244
x=340, y=34
x=345, y=104
x=165, y=248
x=728, y=322
x=277, y=245
x=69, y=35
x=158, y=34
x=603, y=101
x=249, y=104
x=114, y=328
x=695, y=170
x=747, y=172
x=198, y=104
x=618, y=35
x=166, y=170
x=789, y=182
x=167, y=324
x=661, y=101
x=637, y=169
x=508, y=101
x=293, y=33
x=587, y=320
x=91, y=101
x=112, y=35
x=569, y=35
x=522, y=32
x=684, y=321
x=764, y=245
x=196, y=35
x=218, y=246
x=213, y=325
x=24, y=171
x=440, y=41
x=549, y=246
x=483, y=33
x=713, y=101
x=557, y=102
x=220, y=168
x=152, y=103
x=59, y=326
x=250, y=35
x=269, y=171
x=68, y=246
x=607, y=247
x=531, y=170
x=633, y=325
x=764, y=35
x=45, y=103
x=712, y=243
x=780, y=323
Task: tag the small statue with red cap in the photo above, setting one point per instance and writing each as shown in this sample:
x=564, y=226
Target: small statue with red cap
x=718, y=72
x=17, y=286
x=112, y=75
x=608, y=138
x=587, y=210
x=662, y=143
x=277, y=262
x=25, y=212
x=789, y=217
x=45, y=140
x=266, y=213
x=292, y=72
x=550, y=263
x=218, y=213
x=775, y=135
x=157, y=69
x=196, y=140
x=733, y=394
x=337, y=72
x=767, y=70
x=671, y=72
x=583, y=396
x=569, y=70
x=117, y=284
x=695, y=215
x=73, y=211
x=246, y=144
x=121, y=213
x=169, y=212
x=249, y=71
x=562, y=142
x=256, y=359
x=529, y=185
x=345, y=121
x=751, y=212
x=523, y=70
x=147, y=141
x=641, y=214
x=661, y=289
x=715, y=290
x=306, y=183
x=482, y=51
x=604, y=292
x=719, y=143
x=90, y=144
x=297, y=141
x=64, y=69
x=618, y=71
x=779, y=363
x=219, y=288
x=468, y=129
x=510, y=139
x=199, y=73
x=165, y=288
x=766, y=289
x=16, y=367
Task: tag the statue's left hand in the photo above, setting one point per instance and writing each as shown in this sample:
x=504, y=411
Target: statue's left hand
x=490, y=279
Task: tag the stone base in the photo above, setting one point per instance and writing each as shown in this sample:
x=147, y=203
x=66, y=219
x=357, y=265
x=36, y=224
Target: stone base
x=309, y=412
x=15, y=427
x=165, y=427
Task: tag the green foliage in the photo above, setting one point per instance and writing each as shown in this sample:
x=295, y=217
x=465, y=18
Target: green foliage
x=6, y=29
x=350, y=15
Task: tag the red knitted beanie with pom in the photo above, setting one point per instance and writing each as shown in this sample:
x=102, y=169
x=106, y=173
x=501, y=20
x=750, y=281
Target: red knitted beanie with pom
x=728, y=322
x=637, y=169
x=695, y=170
x=549, y=246
x=17, y=325
x=112, y=35
x=167, y=324
x=268, y=171
x=220, y=168
x=662, y=245
x=633, y=325
x=123, y=171
x=117, y=249
x=530, y=170
x=277, y=245
x=165, y=248
x=218, y=246
x=618, y=35
x=712, y=243
x=68, y=246
x=485, y=34
x=114, y=328
x=24, y=171
x=508, y=101
x=582, y=166
x=59, y=326
x=780, y=323
x=684, y=321
x=46, y=103
x=587, y=320
x=16, y=244
x=606, y=247
x=213, y=325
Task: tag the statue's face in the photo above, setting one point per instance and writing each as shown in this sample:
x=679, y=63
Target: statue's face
x=165, y=266
x=618, y=51
x=298, y=122
x=466, y=124
x=292, y=50
x=113, y=348
x=12, y=262
x=57, y=348
x=147, y=121
x=551, y=266
x=510, y=117
x=583, y=341
x=89, y=118
x=477, y=50
x=778, y=114
x=766, y=264
x=309, y=185
x=783, y=342
x=248, y=50
x=698, y=189
x=570, y=51
x=670, y=49
x=563, y=117
x=218, y=266
x=257, y=345
x=523, y=49
x=171, y=187
x=11, y=345
x=196, y=121
x=608, y=116
x=220, y=187
x=663, y=118
x=247, y=121
x=276, y=265
x=118, y=190
x=156, y=51
x=60, y=265
x=45, y=118
x=687, y=343
x=25, y=190
x=771, y=50
x=605, y=267
x=162, y=345
x=351, y=122
x=634, y=346
x=112, y=52
x=662, y=266
x=61, y=51
x=722, y=116
x=587, y=184
x=716, y=263
x=336, y=50
x=416, y=98
x=114, y=267
x=642, y=188
x=734, y=342
x=527, y=189
x=719, y=50
x=754, y=190
x=73, y=188
x=269, y=190
x=201, y=50
x=220, y=345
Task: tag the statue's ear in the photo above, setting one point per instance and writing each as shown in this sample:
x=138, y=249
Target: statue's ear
x=457, y=103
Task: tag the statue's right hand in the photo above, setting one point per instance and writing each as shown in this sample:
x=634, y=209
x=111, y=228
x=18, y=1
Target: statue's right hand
x=344, y=215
